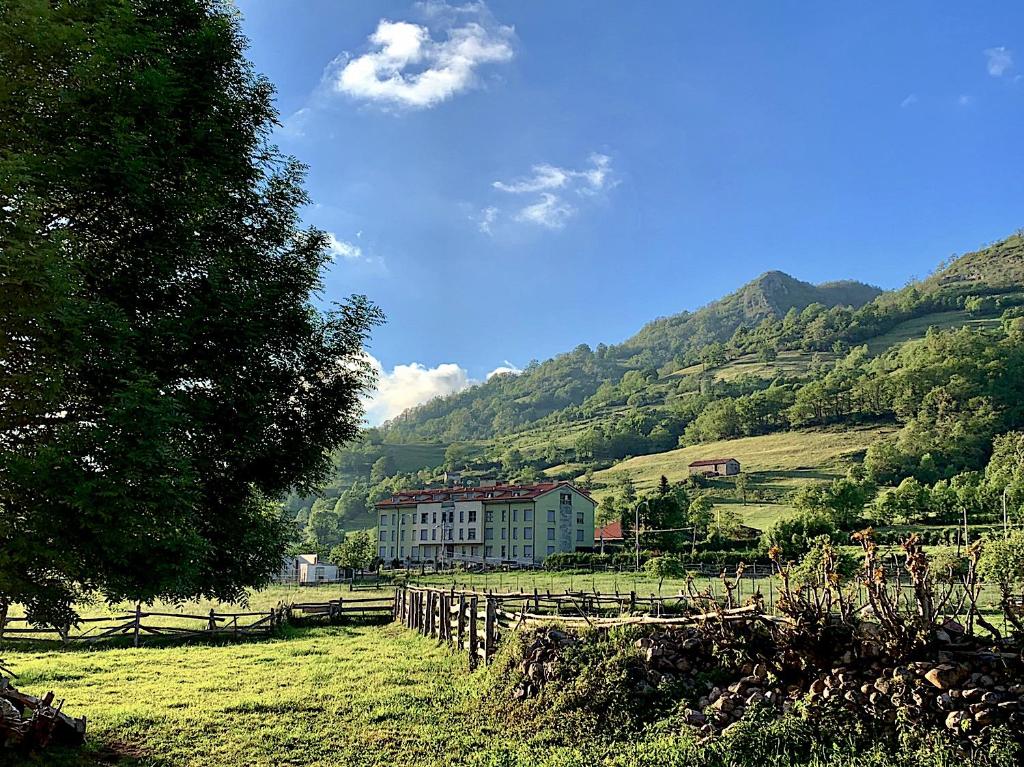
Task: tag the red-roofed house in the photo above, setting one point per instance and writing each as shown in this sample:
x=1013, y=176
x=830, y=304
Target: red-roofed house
x=721, y=467
x=500, y=523
x=610, y=534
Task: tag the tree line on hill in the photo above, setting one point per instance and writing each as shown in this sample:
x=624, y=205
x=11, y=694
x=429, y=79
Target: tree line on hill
x=577, y=385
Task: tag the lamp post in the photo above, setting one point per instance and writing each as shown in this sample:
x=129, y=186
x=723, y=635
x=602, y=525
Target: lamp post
x=636, y=530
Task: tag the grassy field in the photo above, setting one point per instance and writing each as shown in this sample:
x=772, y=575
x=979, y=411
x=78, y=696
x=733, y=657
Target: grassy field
x=335, y=696
x=917, y=327
x=775, y=463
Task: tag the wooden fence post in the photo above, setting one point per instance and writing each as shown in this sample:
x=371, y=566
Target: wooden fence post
x=444, y=628
x=138, y=622
x=489, y=630
x=473, y=645
x=461, y=620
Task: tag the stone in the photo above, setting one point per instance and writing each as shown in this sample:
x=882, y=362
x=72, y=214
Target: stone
x=945, y=676
x=694, y=717
x=955, y=720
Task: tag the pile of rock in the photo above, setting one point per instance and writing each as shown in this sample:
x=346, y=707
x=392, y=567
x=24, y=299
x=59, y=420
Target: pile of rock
x=966, y=692
x=540, y=663
x=28, y=723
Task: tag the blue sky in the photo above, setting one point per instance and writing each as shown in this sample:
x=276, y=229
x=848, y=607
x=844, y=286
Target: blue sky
x=511, y=179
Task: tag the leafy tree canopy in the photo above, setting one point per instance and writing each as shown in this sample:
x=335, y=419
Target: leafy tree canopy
x=167, y=374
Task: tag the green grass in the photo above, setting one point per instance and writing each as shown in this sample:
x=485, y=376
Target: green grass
x=320, y=697
x=774, y=463
x=414, y=456
x=917, y=327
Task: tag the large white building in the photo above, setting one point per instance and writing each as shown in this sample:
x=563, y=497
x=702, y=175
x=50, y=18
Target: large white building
x=521, y=523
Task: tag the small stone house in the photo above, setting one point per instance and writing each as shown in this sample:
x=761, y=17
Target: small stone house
x=716, y=467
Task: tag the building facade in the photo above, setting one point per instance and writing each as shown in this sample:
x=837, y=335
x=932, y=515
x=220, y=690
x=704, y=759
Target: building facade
x=500, y=523
x=722, y=467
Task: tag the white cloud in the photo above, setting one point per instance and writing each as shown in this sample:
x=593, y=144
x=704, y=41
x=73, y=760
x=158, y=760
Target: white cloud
x=550, y=212
x=407, y=67
x=406, y=386
x=964, y=100
x=341, y=249
x=409, y=385
x=487, y=217
x=550, y=209
x=507, y=369
x=909, y=101
x=999, y=61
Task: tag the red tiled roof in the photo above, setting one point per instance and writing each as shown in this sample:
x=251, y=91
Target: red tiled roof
x=610, y=532
x=489, y=494
x=712, y=461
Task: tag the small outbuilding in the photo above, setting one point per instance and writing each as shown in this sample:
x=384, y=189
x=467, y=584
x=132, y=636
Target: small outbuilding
x=716, y=467
x=609, y=535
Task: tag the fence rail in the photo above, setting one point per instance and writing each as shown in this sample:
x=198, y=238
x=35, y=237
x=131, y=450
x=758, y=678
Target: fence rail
x=139, y=625
x=476, y=622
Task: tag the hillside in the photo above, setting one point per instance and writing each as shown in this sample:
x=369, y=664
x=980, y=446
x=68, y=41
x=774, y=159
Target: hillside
x=771, y=295
x=781, y=373
x=506, y=404
x=998, y=267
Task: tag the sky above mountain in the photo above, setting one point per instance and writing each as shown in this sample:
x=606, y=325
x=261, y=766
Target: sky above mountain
x=507, y=180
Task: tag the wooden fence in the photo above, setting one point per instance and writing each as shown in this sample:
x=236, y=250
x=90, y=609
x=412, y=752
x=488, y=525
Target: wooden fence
x=140, y=624
x=476, y=622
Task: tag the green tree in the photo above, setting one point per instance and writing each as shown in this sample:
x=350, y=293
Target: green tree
x=664, y=567
x=382, y=468
x=357, y=551
x=166, y=371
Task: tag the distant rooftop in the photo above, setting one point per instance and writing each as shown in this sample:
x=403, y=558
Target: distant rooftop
x=485, y=493
x=712, y=461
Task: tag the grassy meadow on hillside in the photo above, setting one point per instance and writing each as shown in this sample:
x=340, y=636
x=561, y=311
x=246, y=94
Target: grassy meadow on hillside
x=775, y=463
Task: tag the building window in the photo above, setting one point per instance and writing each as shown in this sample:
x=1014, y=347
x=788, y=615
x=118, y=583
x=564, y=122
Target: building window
x=551, y=515
x=515, y=551
x=579, y=536
x=565, y=498
x=504, y=552
x=551, y=533
x=551, y=549
x=527, y=515
x=423, y=518
x=423, y=535
x=415, y=552
x=515, y=533
x=489, y=533
x=502, y=515
x=504, y=533
x=515, y=515
x=528, y=532
x=528, y=551
x=383, y=535
x=383, y=552
x=462, y=516
x=433, y=534
x=489, y=551
x=434, y=517
x=393, y=532
x=394, y=519
x=472, y=515
x=462, y=534
x=383, y=519
x=403, y=534
x=472, y=533
x=579, y=517
x=401, y=552
x=450, y=531
x=488, y=516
